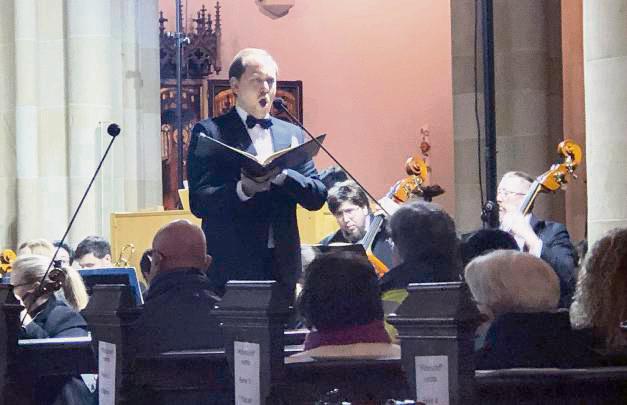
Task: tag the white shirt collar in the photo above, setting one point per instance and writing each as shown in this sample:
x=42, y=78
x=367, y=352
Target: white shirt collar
x=243, y=114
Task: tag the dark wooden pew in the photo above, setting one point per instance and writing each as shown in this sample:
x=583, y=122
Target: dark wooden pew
x=435, y=320
x=27, y=364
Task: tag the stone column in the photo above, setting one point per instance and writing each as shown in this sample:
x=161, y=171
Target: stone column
x=8, y=207
x=605, y=66
x=526, y=50
x=89, y=100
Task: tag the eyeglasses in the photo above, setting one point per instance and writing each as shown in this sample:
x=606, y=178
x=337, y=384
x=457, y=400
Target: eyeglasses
x=505, y=192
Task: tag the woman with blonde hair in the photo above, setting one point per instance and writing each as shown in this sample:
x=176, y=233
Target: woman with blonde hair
x=47, y=316
x=519, y=295
x=40, y=247
x=600, y=302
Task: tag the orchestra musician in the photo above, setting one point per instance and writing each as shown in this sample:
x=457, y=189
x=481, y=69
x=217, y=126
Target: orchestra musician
x=350, y=206
x=545, y=239
x=250, y=223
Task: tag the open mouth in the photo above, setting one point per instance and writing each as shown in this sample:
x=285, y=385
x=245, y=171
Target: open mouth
x=263, y=102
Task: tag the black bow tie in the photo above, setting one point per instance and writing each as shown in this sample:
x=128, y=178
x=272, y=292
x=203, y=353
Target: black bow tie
x=251, y=121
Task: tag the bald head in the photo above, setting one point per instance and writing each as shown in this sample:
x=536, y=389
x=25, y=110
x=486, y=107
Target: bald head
x=179, y=244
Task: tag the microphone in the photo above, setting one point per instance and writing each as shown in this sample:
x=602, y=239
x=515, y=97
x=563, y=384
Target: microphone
x=279, y=104
x=490, y=214
x=113, y=130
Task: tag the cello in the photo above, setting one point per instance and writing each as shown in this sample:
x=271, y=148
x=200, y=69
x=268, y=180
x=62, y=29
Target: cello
x=555, y=178
x=411, y=185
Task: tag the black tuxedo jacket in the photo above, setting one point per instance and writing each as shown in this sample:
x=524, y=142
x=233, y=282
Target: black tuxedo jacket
x=558, y=251
x=237, y=231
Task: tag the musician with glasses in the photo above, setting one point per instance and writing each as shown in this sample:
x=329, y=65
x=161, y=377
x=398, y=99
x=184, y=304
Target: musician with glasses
x=545, y=239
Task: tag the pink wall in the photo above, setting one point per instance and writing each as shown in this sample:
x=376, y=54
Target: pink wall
x=373, y=74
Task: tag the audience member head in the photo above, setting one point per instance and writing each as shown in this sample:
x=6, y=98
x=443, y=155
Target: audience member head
x=65, y=255
x=26, y=279
x=424, y=232
x=349, y=204
x=600, y=299
x=179, y=245
x=511, y=191
x=93, y=252
x=36, y=247
x=485, y=241
x=252, y=76
x=341, y=290
x=507, y=281
x=332, y=175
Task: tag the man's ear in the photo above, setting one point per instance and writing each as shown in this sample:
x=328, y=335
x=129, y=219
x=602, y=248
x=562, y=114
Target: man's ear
x=208, y=261
x=107, y=257
x=234, y=82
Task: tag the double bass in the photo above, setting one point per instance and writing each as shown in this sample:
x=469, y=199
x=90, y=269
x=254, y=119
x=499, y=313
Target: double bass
x=413, y=184
x=556, y=177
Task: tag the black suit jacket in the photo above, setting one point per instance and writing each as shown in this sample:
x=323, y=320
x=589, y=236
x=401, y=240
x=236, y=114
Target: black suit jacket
x=55, y=319
x=237, y=231
x=177, y=314
x=558, y=251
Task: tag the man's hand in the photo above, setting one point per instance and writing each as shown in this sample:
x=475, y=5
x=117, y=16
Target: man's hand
x=519, y=226
x=253, y=185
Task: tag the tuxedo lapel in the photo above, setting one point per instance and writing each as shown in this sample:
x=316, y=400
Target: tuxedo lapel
x=235, y=133
x=281, y=137
x=536, y=224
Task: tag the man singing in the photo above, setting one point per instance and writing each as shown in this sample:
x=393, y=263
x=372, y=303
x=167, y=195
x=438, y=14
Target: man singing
x=250, y=222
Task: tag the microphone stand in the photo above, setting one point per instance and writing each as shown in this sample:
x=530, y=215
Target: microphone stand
x=279, y=104
x=113, y=130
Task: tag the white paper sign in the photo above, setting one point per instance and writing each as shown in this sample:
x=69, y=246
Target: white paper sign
x=106, y=373
x=432, y=380
x=247, y=387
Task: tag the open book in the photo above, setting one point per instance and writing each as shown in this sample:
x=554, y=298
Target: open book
x=283, y=159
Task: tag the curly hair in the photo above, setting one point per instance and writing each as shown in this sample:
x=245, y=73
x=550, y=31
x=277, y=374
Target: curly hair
x=600, y=299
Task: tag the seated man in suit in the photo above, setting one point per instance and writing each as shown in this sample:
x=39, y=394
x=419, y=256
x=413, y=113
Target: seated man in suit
x=349, y=204
x=545, y=239
x=178, y=303
x=93, y=252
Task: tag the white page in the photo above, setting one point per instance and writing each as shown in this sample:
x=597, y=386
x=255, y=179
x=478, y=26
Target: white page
x=106, y=373
x=247, y=371
x=432, y=380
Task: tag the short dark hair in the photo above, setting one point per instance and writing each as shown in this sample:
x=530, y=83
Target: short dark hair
x=341, y=289
x=346, y=191
x=424, y=232
x=65, y=246
x=238, y=65
x=332, y=175
x=95, y=245
x=484, y=241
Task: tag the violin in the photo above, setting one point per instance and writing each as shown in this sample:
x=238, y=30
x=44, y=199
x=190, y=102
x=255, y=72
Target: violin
x=54, y=282
x=7, y=257
x=556, y=177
